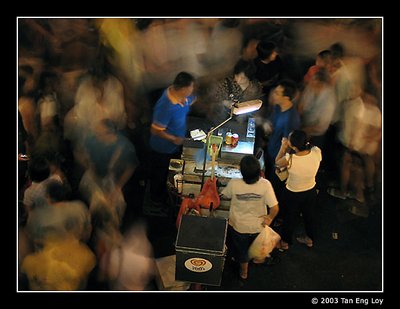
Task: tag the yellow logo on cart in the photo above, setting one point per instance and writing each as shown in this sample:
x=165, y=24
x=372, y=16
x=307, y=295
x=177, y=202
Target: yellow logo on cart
x=198, y=265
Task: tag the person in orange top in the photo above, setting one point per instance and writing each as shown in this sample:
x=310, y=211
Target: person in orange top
x=323, y=60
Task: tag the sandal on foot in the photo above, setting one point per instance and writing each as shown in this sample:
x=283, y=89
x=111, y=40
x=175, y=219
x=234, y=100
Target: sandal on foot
x=243, y=276
x=282, y=246
x=353, y=196
x=306, y=241
x=336, y=193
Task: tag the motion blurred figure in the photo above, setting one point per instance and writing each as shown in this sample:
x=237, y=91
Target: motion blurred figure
x=130, y=266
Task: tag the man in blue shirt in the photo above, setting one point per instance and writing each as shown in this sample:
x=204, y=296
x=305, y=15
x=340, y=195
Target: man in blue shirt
x=168, y=131
x=284, y=119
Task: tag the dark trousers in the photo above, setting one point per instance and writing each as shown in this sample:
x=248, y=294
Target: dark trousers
x=279, y=187
x=238, y=244
x=22, y=178
x=159, y=166
x=296, y=203
x=331, y=153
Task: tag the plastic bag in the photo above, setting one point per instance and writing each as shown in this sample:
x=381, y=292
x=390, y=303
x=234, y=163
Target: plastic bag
x=264, y=243
x=282, y=174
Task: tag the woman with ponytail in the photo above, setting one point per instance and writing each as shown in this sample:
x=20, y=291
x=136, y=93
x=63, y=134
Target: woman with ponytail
x=300, y=191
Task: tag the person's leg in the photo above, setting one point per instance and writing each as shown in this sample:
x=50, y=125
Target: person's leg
x=240, y=244
x=230, y=243
x=280, y=191
x=244, y=270
x=358, y=172
x=158, y=177
x=308, y=203
x=370, y=168
x=291, y=214
x=332, y=153
x=345, y=171
x=269, y=165
x=345, y=174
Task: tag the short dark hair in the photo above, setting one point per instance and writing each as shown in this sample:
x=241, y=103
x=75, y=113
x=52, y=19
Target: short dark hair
x=247, y=67
x=289, y=88
x=325, y=54
x=337, y=50
x=182, y=80
x=57, y=191
x=143, y=23
x=265, y=49
x=39, y=169
x=250, y=169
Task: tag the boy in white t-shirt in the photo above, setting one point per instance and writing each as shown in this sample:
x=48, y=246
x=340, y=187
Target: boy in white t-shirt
x=248, y=212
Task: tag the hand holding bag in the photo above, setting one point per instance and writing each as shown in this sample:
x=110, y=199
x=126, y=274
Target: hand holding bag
x=284, y=172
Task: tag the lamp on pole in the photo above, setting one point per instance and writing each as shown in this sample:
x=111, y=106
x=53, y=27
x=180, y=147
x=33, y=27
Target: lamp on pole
x=236, y=109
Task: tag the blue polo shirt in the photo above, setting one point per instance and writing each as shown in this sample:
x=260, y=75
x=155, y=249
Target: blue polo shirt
x=172, y=117
x=282, y=123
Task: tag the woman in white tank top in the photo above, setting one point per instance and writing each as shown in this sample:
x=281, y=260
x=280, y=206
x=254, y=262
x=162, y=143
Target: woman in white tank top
x=300, y=192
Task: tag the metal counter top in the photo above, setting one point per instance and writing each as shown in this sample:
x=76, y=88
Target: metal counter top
x=242, y=147
x=228, y=154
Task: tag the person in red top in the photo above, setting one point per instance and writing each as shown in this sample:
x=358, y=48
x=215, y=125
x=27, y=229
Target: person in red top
x=323, y=60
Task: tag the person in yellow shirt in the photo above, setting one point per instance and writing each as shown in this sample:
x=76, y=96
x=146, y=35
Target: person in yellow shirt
x=64, y=264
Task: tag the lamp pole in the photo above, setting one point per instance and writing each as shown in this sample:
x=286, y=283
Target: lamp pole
x=240, y=108
x=208, y=143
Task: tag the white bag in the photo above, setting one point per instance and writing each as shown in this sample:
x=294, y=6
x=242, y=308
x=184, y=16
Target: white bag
x=282, y=174
x=264, y=243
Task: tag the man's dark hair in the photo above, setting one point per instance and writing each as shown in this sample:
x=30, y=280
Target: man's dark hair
x=265, y=49
x=289, y=88
x=250, y=169
x=325, y=54
x=247, y=67
x=57, y=191
x=101, y=67
x=182, y=80
x=39, y=169
x=47, y=79
x=143, y=23
x=337, y=50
